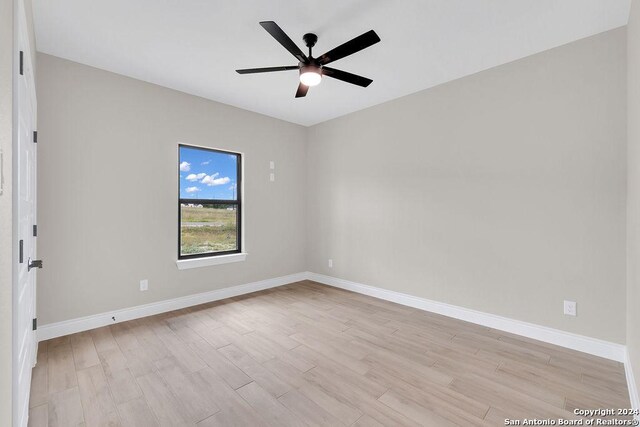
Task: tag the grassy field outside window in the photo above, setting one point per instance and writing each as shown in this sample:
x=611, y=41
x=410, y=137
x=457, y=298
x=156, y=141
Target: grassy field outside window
x=211, y=228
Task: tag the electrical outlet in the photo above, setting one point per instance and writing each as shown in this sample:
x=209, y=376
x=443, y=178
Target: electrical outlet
x=330, y=263
x=144, y=285
x=272, y=177
x=272, y=165
x=570, y=308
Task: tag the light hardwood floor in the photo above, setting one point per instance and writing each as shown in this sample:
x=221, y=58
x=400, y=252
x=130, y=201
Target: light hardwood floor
x=307, y=354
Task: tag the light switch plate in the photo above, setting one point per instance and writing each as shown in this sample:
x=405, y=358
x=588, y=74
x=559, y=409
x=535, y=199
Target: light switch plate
x=144, y=285
x=272, y=177
x=272, y=165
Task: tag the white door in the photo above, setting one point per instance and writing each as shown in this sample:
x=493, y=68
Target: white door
x=24, y=219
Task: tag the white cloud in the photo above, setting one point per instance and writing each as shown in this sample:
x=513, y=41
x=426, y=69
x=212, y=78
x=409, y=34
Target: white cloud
x=185, y=167
x=211, y=180
x=206, y=163
x=192, y=190
x=195, y=177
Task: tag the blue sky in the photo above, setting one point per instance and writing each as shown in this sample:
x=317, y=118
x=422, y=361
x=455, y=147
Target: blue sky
x=207, y=174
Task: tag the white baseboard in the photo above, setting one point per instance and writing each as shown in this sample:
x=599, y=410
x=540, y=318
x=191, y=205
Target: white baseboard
x=581, y=343
x=631, y=383
x=54, y=330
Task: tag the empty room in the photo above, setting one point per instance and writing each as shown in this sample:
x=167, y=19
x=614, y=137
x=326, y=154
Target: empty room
x=346, y=213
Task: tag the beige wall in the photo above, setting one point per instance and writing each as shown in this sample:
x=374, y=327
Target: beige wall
x=6, y=118
x=633, y=195
x=107, y=190
x=502, y=192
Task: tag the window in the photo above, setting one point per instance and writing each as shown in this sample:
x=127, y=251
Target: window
x=209, y=204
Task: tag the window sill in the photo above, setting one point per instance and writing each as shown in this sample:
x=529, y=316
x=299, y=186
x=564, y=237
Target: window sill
x=184, y=264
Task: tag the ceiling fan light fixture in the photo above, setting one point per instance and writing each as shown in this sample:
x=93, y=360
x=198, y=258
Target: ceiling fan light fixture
x=310, y=75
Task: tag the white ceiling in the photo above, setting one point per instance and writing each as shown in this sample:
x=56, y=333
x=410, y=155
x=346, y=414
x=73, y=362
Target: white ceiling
x=195, y=45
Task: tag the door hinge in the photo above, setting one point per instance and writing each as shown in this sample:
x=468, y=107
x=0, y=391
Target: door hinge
x=35, y=230
x=21, y=256
x=21, y=63
x=35, y=136
x=35, y=324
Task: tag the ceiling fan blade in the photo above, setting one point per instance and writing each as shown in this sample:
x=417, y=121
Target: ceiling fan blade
x=267, y=69
x=346, y=77
x=277, y=33
x=302, y=90
x=363, y=41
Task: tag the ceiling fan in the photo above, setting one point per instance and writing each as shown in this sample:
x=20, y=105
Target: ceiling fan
x=312, y=69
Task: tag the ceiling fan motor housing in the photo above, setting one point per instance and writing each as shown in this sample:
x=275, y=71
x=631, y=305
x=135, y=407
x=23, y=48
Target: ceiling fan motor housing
x=310, y=68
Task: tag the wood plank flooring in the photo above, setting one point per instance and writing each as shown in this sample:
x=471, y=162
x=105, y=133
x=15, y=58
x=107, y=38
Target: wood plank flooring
x=311, y=355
